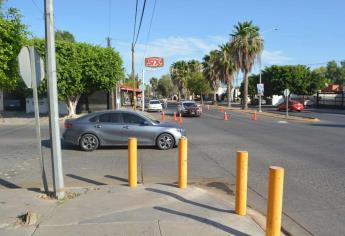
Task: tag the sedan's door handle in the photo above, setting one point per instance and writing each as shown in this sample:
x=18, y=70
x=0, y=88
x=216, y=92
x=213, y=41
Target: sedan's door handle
x=98, y=126
x=125, y=126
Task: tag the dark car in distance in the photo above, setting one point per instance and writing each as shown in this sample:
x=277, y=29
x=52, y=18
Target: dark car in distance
x=189, y=108
x=113, y=128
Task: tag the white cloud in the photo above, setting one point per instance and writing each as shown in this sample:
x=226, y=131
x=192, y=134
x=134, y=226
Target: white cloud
x=170, y=48
x=185, y=48
x=274, y=57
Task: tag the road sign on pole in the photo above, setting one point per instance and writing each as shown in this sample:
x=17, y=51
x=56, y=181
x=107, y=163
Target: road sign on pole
x=31, y=69
x=260, y=89
x=30, y=60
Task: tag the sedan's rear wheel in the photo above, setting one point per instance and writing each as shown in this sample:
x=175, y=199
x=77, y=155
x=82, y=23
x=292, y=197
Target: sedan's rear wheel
x=89, y=142
x=165, y=141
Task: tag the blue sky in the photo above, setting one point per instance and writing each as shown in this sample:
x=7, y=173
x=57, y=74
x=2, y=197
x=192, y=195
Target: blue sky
x=309, y=32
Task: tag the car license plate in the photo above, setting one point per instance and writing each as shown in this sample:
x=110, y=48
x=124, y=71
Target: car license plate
x=193, y=112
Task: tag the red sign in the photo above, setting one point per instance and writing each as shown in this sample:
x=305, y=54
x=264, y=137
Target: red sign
x=154, y=62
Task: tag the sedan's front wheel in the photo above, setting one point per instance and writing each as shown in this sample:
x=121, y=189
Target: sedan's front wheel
x=165, y=141
x=89, y=142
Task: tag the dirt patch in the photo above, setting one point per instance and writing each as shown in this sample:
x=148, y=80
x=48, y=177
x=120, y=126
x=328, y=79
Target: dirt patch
x=29, y=218
x=68, y=196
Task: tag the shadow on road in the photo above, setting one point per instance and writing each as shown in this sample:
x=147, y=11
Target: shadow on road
x=85, y=179
x=203, y=220
x=8, y=184
x=116, y=178
x=68, y=146
x=330, y=125
x=182, y=199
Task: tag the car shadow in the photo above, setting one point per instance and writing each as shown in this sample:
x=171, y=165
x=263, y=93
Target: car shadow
x=68, y=146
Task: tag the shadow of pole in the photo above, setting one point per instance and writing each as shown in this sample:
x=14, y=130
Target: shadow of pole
x=182, y=199
x=203, y=220
x=85, y=179
x=8, y=184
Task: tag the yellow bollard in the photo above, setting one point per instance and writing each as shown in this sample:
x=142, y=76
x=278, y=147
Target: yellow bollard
x=275, y=201
x=132, y=162
x=241, y=182
x=182, y=160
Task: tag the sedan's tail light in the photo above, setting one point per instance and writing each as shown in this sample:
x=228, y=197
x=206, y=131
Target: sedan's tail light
x=68, y=125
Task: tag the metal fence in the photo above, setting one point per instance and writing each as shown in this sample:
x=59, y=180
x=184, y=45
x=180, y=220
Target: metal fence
x=331, y=100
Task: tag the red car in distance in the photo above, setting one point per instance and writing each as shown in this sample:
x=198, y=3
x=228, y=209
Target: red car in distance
x=293, y=106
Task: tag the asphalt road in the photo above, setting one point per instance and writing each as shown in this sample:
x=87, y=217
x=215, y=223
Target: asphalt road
x=311, y=153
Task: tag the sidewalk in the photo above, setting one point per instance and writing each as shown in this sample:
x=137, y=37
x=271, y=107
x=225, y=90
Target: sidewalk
x=155, y=209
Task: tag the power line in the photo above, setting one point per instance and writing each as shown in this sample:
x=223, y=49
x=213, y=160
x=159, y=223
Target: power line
x=141, y=19
x=149, y=32
x=109, y=18
x=135, y=20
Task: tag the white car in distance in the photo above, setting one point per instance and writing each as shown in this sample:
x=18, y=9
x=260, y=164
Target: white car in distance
x=155, y=105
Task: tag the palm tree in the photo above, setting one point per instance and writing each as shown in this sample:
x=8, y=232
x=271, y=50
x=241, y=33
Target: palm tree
x=154, y=85
x=179, y=73
x=228, y=68
x=246, y=46
x=211, y=66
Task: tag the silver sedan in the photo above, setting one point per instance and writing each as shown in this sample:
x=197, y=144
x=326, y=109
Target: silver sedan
x=113, y=128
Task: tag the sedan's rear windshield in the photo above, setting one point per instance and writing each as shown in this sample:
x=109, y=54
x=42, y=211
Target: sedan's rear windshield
x=154, y=102
x=189, y=104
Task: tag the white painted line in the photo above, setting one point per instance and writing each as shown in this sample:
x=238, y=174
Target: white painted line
x=282, y=122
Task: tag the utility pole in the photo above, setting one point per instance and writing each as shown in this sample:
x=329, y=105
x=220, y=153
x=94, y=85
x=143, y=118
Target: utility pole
x=58, y=182
x=134, y=80
x=260, y=94
x=143, y=91
x=112, y=89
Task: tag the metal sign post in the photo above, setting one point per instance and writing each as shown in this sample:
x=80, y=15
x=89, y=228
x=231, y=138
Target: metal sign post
x=286, y=94
x=32, y=73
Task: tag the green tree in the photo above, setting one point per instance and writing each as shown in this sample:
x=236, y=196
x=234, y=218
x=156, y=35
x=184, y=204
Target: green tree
x=212, y=73
x=13, y=35
x=246, y=46
x=228, y=68
x=64, y=35
x=165, y=86
x=179, y=74
x=198, y=85
x=335, y=72
x=154, y=85
x=83, y=69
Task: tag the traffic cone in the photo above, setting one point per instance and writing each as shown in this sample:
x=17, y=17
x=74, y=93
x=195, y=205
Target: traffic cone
x=254, y=116
x=221, y=109
x=225, y=116
x=163, y=115
x=180, y=119
x=175, y=119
